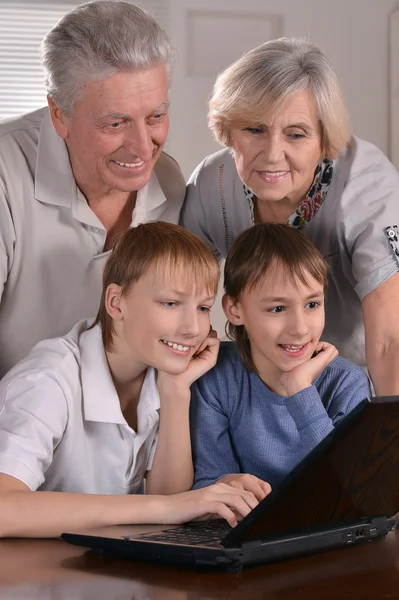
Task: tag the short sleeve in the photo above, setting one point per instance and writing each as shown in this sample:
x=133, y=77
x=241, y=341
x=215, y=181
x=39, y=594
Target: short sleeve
x=371, y=206
x=7, y=239
x=33, y=418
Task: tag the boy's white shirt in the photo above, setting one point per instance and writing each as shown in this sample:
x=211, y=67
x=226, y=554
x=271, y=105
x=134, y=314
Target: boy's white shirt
x=61, y=425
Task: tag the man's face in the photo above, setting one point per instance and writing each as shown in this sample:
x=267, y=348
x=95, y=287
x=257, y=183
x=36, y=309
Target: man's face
x=117, y=130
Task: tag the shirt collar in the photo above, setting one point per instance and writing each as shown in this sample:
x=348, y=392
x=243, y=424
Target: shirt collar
x=100, y=399
x=54, y=181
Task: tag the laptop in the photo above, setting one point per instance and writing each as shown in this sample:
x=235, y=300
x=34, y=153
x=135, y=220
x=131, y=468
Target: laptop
x=344, y=493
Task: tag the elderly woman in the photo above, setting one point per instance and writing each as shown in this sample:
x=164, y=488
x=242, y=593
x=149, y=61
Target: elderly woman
x=290, y=158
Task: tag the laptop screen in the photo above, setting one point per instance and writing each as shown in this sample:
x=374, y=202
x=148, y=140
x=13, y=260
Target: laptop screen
x=353, y=474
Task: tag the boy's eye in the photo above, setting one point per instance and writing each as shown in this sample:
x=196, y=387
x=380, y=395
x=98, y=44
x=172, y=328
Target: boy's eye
x=276, y=309
x=205, y=308
x=313, y=304
x=170, y=304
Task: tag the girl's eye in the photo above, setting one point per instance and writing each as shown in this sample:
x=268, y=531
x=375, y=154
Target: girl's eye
x=169, y=304
x=277, y=309
x=254, y=130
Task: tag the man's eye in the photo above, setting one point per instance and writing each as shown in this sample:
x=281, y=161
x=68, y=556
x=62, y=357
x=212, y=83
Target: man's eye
x=313, y=305
x=116, y=125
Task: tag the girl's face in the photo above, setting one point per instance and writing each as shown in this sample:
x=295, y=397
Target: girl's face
x=277, y=159
x=284, y=320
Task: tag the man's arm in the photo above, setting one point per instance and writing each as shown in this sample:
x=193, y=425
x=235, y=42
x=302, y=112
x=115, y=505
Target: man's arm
x=381, y=323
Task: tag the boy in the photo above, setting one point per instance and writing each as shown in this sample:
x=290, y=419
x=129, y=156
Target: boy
x=79, y=415
x=279, y=390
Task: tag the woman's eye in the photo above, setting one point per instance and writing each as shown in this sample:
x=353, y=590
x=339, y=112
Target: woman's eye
x=296, y=136
x=254, y=130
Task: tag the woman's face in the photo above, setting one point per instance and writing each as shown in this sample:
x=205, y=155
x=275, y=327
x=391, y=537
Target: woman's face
x=277, y=159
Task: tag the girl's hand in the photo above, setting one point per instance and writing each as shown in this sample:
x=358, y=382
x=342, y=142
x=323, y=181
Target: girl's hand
x=303, y=376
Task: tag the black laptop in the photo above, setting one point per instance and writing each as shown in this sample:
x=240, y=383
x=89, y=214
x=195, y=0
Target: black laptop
x=345, y=492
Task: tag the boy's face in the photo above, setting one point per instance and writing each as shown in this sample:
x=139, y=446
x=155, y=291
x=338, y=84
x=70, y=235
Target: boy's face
x=284, y=321
x=164, y=320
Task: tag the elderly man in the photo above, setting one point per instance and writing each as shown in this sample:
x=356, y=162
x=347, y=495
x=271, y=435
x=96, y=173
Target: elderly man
x=76, y=174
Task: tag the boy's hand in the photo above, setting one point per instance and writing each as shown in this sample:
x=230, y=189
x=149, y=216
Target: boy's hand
x=219, y=499
x=250, y=483
x=303, y=376
x=203, y=359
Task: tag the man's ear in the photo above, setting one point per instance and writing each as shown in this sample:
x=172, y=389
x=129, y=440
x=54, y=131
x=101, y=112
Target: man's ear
x=58, y=119
x=232, y=310
x=113, y=302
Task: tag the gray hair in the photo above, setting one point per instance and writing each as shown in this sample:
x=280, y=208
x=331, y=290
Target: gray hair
x=95, y=41
x=257, y=83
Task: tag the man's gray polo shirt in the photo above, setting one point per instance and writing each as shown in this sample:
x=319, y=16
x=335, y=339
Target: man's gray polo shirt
x=51, y=243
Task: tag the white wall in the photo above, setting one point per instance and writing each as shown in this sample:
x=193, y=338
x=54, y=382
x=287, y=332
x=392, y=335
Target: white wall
x=353, y=33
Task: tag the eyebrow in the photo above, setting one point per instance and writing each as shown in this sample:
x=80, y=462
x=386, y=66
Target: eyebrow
x=182, y=294
x=120, y=116
x=281, y=299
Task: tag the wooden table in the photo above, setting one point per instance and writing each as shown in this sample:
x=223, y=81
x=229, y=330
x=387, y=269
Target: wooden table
x=54, y=570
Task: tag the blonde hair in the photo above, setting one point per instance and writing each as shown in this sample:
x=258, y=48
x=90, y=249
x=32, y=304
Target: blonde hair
x=253, y=253
x=257, y=83
x=169, y=248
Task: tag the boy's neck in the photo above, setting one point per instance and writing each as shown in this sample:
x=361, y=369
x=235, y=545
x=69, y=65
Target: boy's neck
x=128, y=377
x=270, y=375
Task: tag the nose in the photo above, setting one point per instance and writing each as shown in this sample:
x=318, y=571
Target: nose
x=273, y=151
x=190, y=323
x=138, y=141
x=298, y=326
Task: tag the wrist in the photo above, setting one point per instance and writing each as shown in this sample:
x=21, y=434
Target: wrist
x=294, y=387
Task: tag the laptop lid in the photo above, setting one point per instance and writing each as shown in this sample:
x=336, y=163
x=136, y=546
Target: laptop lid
x=351, y=476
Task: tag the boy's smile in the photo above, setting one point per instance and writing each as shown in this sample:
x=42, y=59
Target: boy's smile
x=284, y=320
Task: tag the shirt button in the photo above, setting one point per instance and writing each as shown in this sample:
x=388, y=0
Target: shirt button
x=96, y=230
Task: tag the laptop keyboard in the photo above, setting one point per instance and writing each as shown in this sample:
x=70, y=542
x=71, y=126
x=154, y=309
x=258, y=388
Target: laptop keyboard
x=204, y=533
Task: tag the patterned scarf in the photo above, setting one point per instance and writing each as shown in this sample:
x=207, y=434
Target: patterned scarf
x=312, y=201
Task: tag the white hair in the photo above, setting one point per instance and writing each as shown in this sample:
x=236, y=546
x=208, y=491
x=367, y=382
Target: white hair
x=97, y=40
x=257, y=83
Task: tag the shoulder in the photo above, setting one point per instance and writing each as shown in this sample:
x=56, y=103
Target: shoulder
x=28, y=123
x=228, y=367
x=53, y=362
x=363, y=161
x=341, y=370
x=170, y=177
x=208, y=171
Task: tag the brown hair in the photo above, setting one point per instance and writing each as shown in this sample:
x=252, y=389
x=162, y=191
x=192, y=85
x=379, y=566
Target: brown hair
x=252, y=254
x=164, y=245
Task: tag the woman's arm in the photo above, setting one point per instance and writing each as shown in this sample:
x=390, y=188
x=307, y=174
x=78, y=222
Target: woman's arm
x=381, y=323
x=48, y=514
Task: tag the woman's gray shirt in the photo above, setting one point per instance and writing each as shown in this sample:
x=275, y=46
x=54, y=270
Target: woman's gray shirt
x=355, y=229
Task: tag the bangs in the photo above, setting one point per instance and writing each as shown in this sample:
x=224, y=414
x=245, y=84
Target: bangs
x=190, y=274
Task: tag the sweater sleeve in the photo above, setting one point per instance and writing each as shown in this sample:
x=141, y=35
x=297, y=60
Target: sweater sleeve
x=213, y=454
x=318, y=408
